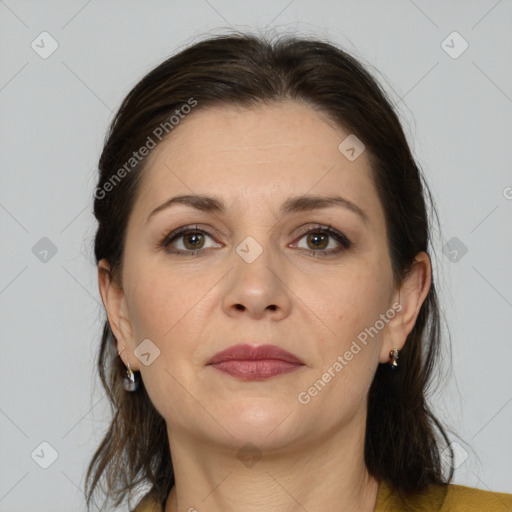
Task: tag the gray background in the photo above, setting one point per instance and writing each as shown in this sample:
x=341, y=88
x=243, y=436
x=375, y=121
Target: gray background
x=457, y=113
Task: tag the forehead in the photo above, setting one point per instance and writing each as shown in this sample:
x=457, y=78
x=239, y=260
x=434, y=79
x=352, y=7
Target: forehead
x=255, y=154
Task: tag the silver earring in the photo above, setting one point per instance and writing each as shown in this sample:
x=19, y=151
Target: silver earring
x=130, y=383
x=394, y=359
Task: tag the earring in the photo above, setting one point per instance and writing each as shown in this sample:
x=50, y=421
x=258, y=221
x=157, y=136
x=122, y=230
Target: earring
x=129, y=381
x=394, y=359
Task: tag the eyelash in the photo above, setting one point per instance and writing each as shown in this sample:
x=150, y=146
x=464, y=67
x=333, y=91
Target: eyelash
x=325, y=230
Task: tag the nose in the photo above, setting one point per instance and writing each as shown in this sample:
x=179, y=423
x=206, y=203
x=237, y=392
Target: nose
x=257, y=288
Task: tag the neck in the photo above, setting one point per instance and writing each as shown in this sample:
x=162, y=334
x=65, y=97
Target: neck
x=327, y=474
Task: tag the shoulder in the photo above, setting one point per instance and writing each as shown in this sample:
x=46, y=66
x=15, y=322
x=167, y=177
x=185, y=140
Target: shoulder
x=462, y=498
x=435, y=498
x=442, y=498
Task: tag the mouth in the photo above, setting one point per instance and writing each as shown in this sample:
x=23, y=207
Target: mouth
x=248, y=362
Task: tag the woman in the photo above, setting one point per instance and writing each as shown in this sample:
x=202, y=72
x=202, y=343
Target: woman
x=263, y=258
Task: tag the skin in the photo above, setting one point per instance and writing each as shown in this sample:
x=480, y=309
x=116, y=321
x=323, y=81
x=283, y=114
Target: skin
x=193, y=306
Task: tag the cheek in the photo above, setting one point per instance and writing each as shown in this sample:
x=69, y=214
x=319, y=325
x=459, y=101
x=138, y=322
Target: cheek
x=349, y=355
x=160, y=299
x=150, y=310
x=357, y=296
x=164, y=308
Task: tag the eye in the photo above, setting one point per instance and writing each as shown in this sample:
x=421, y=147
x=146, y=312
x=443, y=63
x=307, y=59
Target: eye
x=317, y=241
x=186, y=240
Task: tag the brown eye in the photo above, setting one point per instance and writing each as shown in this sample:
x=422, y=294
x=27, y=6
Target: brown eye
x=193, y=240
x=318, y=240
x=187, y=241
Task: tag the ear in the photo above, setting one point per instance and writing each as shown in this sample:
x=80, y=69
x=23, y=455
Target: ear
x=410, y=296
x=114, y=301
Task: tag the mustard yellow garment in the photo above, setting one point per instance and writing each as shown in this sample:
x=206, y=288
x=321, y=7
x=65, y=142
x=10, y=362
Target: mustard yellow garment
x=443, y=498
x=436, y=498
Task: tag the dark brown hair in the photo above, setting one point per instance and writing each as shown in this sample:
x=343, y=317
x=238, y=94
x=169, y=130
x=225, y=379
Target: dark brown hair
x=403, y=437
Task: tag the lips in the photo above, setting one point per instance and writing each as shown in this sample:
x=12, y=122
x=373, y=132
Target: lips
x=255, y=363
x=250, y=353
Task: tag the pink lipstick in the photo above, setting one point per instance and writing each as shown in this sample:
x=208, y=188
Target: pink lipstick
x=255, y=363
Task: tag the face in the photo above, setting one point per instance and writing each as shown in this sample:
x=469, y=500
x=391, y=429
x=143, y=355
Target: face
x=313, y=279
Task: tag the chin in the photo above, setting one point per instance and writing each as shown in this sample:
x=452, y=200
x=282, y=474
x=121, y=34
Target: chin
x=263, y=422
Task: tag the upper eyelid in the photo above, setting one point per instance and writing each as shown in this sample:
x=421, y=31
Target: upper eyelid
x=304, y=229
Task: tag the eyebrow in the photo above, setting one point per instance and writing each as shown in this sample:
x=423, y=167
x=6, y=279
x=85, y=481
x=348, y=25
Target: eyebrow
x=291, y=205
